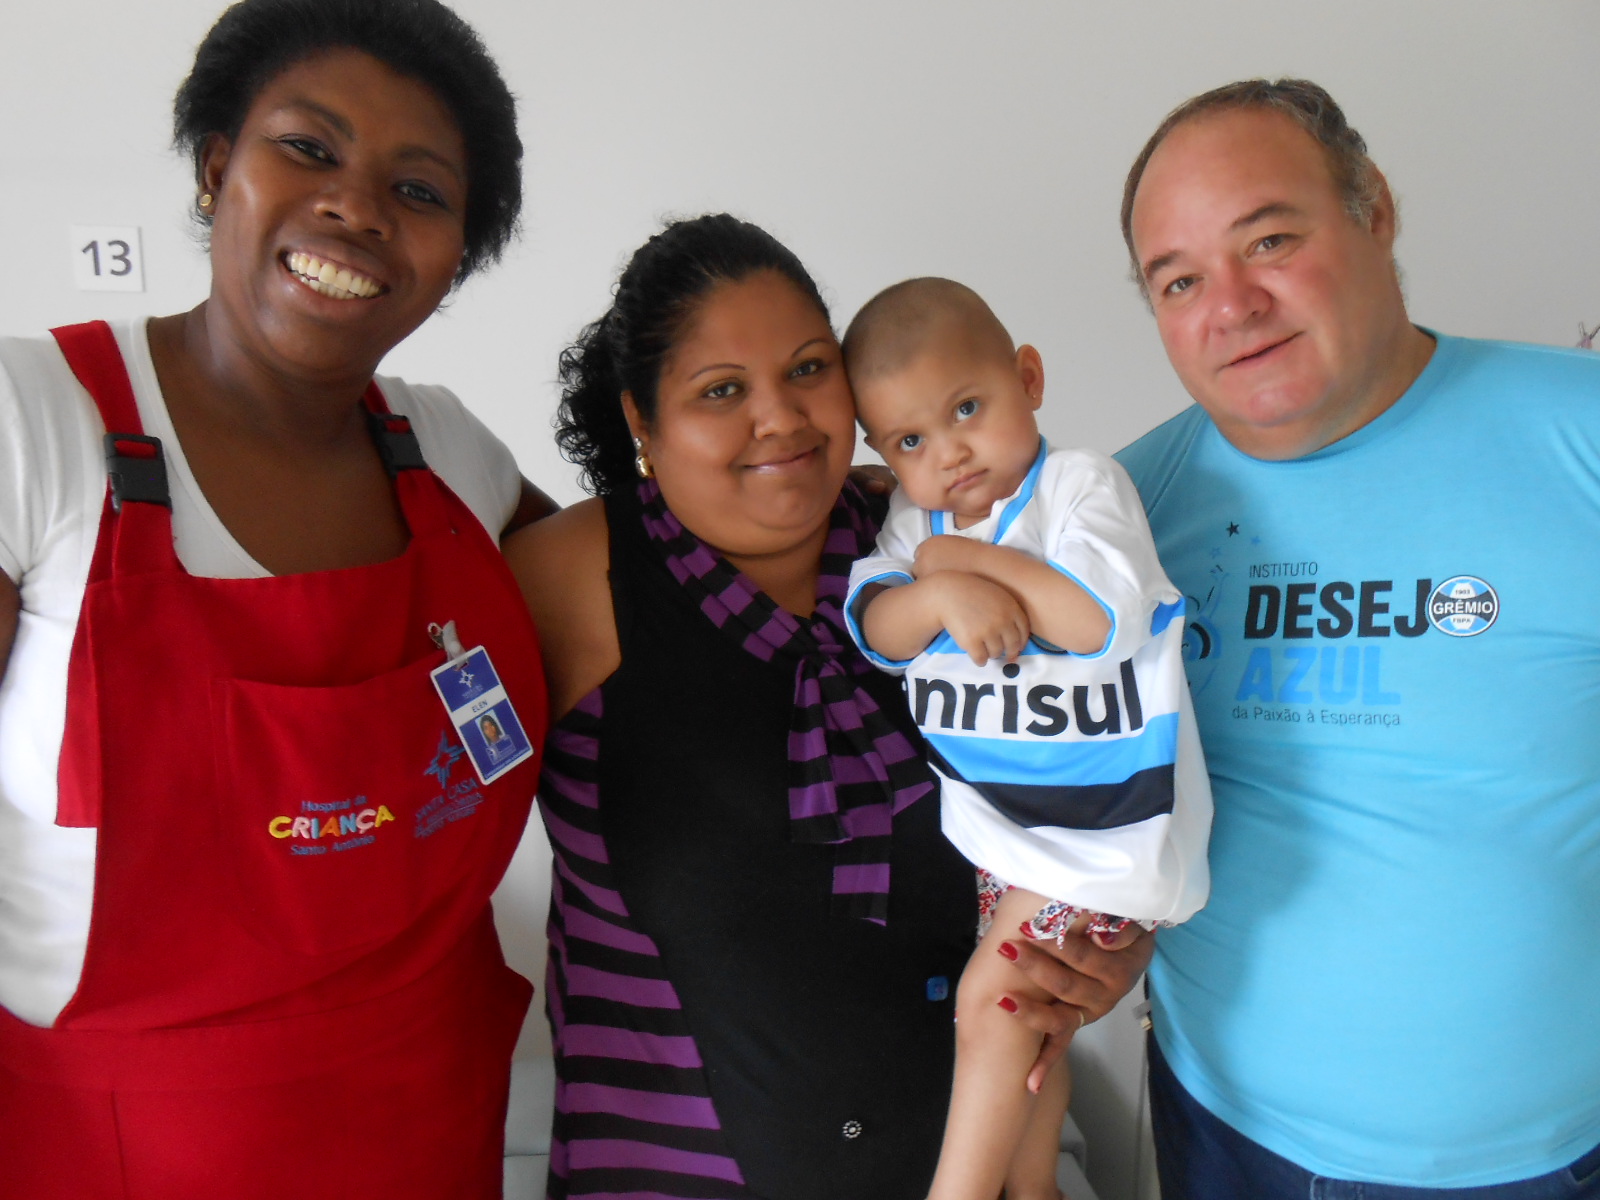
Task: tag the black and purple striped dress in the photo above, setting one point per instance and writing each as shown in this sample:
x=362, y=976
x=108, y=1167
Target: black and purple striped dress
x=719, y=1030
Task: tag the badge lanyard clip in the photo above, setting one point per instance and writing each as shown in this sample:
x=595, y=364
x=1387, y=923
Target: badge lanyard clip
x=445, y=637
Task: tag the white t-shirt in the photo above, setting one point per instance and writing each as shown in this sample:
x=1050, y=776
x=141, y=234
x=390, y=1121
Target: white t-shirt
x=52, y=490
x=1077, y=776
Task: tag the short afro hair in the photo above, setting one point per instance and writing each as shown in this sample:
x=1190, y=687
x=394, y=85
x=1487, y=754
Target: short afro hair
x=254, y=40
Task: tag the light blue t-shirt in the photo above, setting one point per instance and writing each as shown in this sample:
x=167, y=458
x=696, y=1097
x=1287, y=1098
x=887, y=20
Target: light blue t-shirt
x=1396, y=672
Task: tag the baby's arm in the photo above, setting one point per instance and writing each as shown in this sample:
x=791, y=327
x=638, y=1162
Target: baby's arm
x=983, y=617
x=1056, y=609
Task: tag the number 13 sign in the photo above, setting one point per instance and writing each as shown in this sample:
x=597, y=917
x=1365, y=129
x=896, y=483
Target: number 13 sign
x=107, y=258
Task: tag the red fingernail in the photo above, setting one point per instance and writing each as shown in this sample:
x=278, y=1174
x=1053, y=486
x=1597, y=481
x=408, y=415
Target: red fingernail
x=1007, y=1003
x=1007, y=950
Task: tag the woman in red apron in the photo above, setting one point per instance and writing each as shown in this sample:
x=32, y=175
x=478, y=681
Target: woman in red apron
x=291, y=986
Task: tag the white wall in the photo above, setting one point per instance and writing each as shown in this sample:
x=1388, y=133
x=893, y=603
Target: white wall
x=880, y=139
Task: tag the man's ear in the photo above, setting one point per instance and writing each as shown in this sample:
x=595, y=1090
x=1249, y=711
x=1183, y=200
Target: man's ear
x=1030, y=369
x=1385, y=220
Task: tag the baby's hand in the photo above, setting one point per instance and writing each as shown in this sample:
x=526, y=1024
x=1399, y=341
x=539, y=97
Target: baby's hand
x=984, y=619
x=942, y=552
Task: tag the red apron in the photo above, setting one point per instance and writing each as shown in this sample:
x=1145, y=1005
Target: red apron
x=293, y=988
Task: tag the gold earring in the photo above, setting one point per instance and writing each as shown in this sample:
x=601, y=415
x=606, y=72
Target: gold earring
x=206, y=201
x=641, y=461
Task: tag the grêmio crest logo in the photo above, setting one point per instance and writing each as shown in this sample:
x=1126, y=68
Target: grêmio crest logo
x=1461, y=606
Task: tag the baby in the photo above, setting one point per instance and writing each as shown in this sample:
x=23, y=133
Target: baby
x=1018, y=590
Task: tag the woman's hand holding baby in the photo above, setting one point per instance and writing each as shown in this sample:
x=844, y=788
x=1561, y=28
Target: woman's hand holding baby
x=1088, y=977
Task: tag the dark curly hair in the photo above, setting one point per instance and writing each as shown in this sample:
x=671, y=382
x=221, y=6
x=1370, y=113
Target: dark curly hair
x=658, y=293
x=1306, y=104
x=254, y=40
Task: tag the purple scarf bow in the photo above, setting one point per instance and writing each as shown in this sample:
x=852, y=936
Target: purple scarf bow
x=850, y=769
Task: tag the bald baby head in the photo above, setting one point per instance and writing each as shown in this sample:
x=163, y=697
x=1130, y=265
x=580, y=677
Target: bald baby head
x=910, y=319
x=944, y=396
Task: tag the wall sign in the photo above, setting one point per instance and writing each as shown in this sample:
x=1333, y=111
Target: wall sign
x=107, y=258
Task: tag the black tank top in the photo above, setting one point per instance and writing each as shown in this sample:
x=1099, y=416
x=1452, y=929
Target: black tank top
x=828, y=1041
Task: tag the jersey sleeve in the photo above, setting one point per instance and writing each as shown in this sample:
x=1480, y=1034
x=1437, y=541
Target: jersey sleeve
x=461, y=449
x=888, y=565
x=1096, y=535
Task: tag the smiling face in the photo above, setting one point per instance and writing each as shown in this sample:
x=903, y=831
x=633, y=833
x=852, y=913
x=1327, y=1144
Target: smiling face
x=956, y=424
x=1280, y=313
x=338, y=216
x=754, y=425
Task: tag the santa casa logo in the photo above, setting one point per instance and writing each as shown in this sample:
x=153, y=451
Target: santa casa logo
x=1463, y=606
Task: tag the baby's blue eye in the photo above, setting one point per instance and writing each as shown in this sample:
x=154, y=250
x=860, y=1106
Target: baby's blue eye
x=966, y=409
x=911, y=441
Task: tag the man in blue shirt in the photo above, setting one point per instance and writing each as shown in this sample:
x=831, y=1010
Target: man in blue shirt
x=1387, y=538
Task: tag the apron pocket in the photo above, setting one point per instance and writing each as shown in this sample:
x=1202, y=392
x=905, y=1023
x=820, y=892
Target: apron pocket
x=343, y=812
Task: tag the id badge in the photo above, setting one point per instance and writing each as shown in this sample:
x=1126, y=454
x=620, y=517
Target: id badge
x=482, y=714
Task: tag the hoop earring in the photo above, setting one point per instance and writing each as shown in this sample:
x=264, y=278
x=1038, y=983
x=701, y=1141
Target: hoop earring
x=641, y=461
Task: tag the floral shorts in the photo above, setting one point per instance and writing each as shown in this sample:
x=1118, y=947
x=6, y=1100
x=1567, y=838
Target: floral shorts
x=1051, y=921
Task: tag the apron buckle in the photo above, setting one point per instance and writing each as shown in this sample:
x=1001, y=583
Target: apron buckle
x=137, y=470
x=397, y=444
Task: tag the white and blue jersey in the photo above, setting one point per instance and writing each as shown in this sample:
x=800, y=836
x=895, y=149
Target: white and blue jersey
x=1397, y=678
x=1076, y=776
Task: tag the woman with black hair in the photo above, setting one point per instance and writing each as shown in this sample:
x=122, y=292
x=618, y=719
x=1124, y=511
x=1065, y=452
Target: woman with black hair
x=245, y=941
x=756, y=925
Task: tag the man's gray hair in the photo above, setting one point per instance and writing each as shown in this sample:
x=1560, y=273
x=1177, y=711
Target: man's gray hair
x=1304, y=103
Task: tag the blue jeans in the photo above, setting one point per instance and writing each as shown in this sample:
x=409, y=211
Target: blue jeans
x=1199, y=1157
